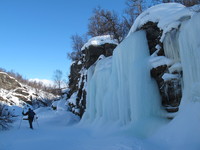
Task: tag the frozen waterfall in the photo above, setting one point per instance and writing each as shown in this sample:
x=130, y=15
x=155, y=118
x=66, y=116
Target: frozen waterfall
x=190, y=57
x=120, y=88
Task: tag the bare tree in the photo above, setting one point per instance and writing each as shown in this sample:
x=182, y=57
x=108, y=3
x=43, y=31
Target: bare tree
x=77, y=43
x=57, y=77
x=105, y=22
x=188, y=2
x=184, y=2
x=133, y=9
x=5, y=118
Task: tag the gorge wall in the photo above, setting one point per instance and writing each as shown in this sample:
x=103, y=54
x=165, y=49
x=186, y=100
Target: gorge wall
x=162, y=31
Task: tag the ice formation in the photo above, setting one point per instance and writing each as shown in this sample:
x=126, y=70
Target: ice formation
x=120, y=88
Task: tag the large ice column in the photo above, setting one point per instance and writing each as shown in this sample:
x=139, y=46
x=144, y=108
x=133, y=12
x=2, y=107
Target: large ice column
x=121, y=89
x=190, y=57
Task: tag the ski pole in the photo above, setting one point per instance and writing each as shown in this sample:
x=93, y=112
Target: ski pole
x=36, y=121
x=20, y=122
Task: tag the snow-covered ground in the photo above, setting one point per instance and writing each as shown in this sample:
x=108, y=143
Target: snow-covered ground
x=62, y=130
x=59, y=130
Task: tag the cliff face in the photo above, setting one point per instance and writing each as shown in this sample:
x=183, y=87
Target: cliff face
x=78, y=73
x=162, y=28
x=168, y=75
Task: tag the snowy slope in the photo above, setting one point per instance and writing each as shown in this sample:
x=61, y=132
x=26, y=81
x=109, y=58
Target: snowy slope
x=20, y=95
x=59, y=130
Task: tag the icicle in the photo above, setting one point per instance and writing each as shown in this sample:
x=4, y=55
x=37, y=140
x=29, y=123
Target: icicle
x=171, y=46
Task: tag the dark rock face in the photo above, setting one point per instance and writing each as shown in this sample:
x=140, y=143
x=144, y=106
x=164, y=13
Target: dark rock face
x=7, y=82
x=92, y=53
x=74, y=77
x=153, y=34
x=171, y=94
x=170, y=90
x=78, y=78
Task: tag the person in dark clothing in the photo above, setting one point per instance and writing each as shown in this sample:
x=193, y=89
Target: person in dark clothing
x=31, y=115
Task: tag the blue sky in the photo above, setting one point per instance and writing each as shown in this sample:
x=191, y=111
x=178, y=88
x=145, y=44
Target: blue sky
x=35, y=34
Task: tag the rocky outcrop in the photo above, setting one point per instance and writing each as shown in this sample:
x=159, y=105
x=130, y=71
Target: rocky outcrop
x=169, y=82
x=153, y=34
x=78, y=77
x=93, y=52
x=14, y=93
x=7, y=82
x=170, y=89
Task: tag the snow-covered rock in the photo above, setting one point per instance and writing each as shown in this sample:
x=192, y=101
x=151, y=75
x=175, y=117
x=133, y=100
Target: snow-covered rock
x=15, y=95
x=100, y=40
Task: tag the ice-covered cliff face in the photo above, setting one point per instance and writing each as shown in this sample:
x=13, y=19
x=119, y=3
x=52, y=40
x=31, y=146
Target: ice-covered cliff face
x=120, y=88
x=94, y=49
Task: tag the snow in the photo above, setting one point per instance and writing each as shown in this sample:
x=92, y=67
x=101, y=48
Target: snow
x=59, y=130
x=100, y=40
x=168, y=76
x=159, y=61
x=177, y=67
x=168, y=16
x=123, y=109
x=72, y=99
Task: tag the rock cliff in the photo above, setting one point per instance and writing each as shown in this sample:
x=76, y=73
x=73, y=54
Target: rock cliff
x=102, y=45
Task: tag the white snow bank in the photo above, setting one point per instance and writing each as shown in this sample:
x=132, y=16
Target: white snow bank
x=181, y=133
x=100, y=40
x=58, y=117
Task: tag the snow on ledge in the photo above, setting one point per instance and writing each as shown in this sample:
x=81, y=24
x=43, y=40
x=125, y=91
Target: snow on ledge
x=159, y=61
x=100, y=40
x=177, y=67
x=168, y=76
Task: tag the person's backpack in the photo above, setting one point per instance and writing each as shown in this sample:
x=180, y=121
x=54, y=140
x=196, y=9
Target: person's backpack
x=31, y=114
